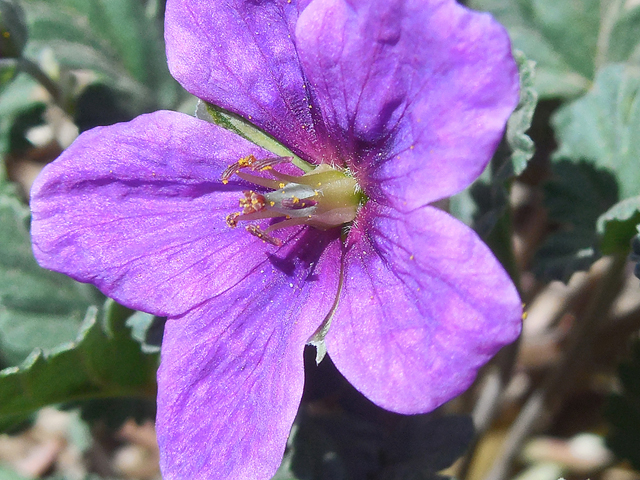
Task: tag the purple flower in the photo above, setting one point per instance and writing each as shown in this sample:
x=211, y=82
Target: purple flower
x=399, y=103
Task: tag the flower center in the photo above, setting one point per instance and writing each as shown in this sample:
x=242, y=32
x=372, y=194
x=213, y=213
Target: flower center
x=324, y=198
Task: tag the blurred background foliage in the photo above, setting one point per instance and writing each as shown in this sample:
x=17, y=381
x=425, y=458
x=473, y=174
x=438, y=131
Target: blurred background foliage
x=559, y=205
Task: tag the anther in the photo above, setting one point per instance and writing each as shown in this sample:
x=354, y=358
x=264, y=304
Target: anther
x=232, y=219
x=252, y=163
x=264, y=236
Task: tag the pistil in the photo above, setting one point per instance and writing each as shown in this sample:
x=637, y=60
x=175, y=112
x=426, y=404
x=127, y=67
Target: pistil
x=324, y=198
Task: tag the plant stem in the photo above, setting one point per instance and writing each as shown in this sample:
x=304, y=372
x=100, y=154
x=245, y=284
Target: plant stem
x=27, y=66
x=488, y=405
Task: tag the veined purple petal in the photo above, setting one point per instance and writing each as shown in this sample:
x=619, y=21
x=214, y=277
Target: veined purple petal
x=138, y=209
x=415, y=93
x=241, y=56
x=424, y=305
x=231, y=375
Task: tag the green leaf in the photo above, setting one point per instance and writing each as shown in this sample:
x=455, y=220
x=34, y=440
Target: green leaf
x=617, y=226
x=147, y=330
x=38, y=308
x=620, y=41
x=113, y=37
x=521, y=146
x=604, y=126
x=569, y=40
x=103, y=362
x=575, y=197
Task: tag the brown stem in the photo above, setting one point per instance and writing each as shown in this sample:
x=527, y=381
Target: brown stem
x=545, y=400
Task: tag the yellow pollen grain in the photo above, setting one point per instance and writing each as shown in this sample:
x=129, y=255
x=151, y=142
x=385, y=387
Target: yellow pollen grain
x=224, y=182
x=296, y=200
x=272, y=203
x=281, y=185
x=411, y=257
x=412, y=147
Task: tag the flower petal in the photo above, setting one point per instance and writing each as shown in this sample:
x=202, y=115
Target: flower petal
x=231, y=375
x=241, y=56
x=138, y=209
x=415, y=93
x=424, y=305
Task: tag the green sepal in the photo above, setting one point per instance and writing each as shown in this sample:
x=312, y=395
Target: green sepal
x=235, y=123
x=13, y=29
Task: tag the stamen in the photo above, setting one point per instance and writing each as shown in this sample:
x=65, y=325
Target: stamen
x=296, y=204
x=263, y=235
x=291, y=222
x=263, y=182
x=254, y=164
x=261, y=215
x=324, y=198
x=235, y=167
x=232, y=219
